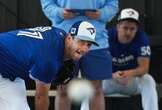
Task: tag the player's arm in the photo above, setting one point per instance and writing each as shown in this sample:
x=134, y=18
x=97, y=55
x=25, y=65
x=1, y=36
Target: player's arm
x=109, y=10
x=52, y=10
x=143, y=61
x=41, y=96
x=142, y=68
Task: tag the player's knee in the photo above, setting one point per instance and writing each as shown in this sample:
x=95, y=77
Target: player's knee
x=105, y=86
x=98, y=87
x=148, y=80
x=62, y=91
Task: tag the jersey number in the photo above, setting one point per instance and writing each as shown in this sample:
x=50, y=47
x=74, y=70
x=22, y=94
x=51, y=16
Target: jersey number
x=145, y=50
x=34, y=32
x=36, y=35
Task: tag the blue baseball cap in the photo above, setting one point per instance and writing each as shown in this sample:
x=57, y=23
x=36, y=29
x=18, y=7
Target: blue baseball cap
x=84, y=31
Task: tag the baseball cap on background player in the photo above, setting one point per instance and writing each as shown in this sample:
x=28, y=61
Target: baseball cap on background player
x=84, y=31
x=129, y=13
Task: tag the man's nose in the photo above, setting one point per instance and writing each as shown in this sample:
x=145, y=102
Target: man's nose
x=129, y=31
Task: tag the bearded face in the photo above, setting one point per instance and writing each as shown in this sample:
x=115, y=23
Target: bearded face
x=76, y=48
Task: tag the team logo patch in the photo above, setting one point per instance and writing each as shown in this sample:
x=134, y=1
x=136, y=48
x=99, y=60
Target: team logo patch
x=91, y=30
x=73, y=30
x=130, y=13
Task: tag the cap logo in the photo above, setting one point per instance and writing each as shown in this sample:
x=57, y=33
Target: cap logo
x=91, y=30
x=84, y=30
x=130, y=13
x=73, y=30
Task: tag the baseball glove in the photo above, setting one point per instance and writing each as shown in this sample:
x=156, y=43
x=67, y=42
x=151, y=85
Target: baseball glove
x=66, y=73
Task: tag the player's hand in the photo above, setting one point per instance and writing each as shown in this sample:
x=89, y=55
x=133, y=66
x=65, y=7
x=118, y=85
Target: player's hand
x=117, y=75
x=66, y=73
x=123, y=77
x=93, y=15
x=128, y=74
x=67, y=14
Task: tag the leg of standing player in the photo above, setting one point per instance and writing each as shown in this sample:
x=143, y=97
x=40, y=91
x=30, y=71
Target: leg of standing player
x=62, y=98
x=13, y=94
x=97, y=66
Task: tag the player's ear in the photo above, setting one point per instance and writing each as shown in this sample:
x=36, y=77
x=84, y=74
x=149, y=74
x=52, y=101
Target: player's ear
x=69, y=36
x=117, y=25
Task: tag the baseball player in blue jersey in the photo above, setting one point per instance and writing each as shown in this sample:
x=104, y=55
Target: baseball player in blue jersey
x=98, y=12
x=130, y=50
x=44, y=54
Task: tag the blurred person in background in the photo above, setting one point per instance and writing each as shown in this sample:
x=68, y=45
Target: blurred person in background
x=63, y=13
